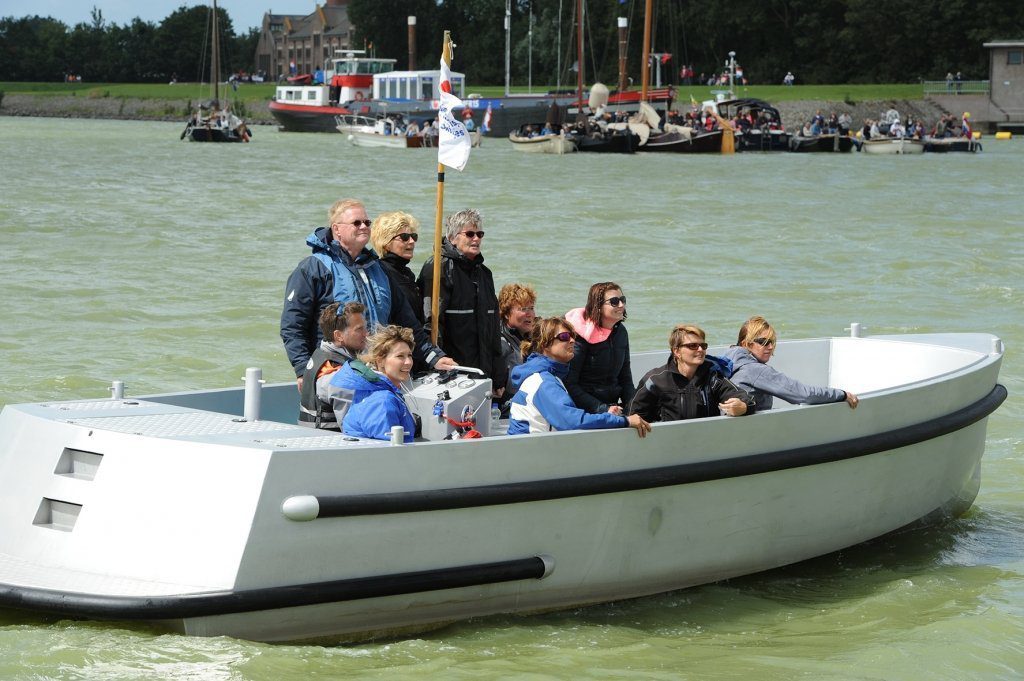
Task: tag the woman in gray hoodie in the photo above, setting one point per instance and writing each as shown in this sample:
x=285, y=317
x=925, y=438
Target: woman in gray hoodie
x=750, y=371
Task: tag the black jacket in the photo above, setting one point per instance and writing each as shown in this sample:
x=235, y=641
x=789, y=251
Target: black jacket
x=599, y=373
x=404, y=280
x=664, y=394
x=468, y=327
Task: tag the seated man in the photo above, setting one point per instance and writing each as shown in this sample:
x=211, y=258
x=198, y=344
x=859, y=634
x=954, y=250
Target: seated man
x=345, y=326
x=690, y=385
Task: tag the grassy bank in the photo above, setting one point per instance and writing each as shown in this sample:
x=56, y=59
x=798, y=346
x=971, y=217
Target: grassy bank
x=262, y=92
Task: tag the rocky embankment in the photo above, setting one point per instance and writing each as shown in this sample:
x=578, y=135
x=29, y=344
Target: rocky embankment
x=64, y=106
x=794, y=113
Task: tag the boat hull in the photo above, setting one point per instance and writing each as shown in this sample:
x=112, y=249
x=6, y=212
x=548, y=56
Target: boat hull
x=674, y=142
x=507, y=115
x=901, y=146
x=305, y=535
x=542, y=144
x=951, y=144
x=372, y=139
x=823, y=143
x=757, y=140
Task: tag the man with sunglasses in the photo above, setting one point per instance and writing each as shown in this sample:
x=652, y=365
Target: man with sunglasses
x=468, y=324
x=690, y=385
x=342, y=269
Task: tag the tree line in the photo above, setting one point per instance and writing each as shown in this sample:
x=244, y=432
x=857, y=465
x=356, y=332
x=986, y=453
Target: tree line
x=44, y=49
x=821, y=41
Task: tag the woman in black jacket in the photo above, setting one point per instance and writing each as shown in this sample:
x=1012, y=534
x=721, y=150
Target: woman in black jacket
x=599, y=377
x=394, y=237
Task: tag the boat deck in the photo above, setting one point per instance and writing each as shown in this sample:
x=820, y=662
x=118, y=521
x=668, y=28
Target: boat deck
x=154, y=419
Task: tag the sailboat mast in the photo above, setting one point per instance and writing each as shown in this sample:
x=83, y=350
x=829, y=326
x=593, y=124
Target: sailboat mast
x=645, y=56
x=579, y=59
x=215, y=62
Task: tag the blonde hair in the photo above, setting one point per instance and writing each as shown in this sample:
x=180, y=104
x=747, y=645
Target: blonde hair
x=339, y=207
x=380, y=344
x=512, y=295
x=755, y=327
x=681, y=331
x=389, y=225
x=543, y=335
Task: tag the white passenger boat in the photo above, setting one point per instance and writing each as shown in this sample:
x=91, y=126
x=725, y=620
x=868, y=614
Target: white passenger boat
x=382, y=132
x=523, y=140
x=892, y=145
x=189, y=511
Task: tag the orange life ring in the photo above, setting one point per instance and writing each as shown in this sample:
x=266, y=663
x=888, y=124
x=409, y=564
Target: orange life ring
x=359, y=96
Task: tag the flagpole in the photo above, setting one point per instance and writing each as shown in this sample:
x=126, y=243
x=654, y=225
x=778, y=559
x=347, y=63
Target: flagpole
x=435, y=288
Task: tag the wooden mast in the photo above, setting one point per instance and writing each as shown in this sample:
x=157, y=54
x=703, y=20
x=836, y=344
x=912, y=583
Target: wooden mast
x=580, y=116
x=645, y=56
x=215, y=62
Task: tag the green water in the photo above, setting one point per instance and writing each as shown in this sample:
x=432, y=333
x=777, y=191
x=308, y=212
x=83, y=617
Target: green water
x=129, y=255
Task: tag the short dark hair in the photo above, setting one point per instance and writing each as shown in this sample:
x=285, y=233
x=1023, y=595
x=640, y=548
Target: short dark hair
x=332, y=319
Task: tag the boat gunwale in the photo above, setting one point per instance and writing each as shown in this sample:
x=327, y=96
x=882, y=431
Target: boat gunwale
x=386, y=503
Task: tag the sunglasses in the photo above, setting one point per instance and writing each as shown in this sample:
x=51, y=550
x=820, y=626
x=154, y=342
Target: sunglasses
x=405, y=236
x=694, y=346
x=564, y=336
x=470, y=235
x=764, y=342
x=356, y=223
x=614, y=302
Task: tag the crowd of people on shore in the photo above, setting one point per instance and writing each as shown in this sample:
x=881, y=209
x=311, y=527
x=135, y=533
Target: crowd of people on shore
x=356, y=327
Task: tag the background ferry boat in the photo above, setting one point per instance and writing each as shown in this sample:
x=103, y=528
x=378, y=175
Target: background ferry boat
x=368, y=86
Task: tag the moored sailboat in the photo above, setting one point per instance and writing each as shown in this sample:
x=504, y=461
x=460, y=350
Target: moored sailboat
x=214, y=120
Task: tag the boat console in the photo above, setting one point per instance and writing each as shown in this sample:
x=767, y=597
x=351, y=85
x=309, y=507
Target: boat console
x=451, y=404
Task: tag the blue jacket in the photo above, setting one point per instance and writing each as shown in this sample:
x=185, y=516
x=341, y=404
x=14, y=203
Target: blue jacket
x=376, y=404
x=542, y=403
x=764, y=382
x=330, y=274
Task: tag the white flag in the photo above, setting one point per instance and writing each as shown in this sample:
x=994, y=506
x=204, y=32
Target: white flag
x=453, y=141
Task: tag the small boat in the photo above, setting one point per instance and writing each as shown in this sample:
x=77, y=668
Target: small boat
x=362, y=131
x=828, y=142
x=764, y=133
x=214, y=121
x=212, y=513
x=612, y=140
x=942, y=145
x=528, y=139
x=892, y=145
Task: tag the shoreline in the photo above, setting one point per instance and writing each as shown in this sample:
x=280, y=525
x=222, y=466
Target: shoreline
x=794, y=112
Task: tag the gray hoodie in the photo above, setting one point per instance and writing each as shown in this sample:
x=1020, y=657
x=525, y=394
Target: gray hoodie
x=764, y=382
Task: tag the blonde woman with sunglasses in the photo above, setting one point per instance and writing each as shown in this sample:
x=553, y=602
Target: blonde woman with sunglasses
x=755, y=345
x=542, y=403
x=394, y=235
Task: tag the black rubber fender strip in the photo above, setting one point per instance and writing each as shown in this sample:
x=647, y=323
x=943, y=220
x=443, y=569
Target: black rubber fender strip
x=666, y=476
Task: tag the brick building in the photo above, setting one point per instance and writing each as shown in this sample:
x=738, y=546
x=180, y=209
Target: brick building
x=308, y=40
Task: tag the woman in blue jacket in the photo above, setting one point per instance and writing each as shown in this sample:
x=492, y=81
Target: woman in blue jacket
x=375, y=381
x=542, y=403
